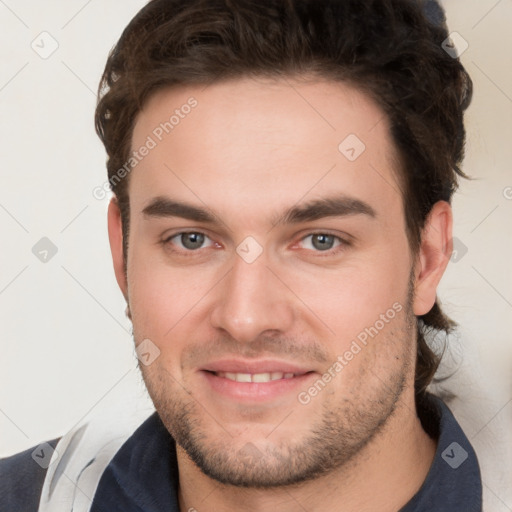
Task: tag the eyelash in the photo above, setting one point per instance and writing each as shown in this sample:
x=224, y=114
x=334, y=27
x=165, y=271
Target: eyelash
x=342, y=243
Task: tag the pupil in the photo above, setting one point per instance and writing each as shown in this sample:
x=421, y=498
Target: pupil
x=323, y=242
x=192, y=240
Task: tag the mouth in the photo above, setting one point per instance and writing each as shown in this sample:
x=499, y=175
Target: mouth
x=257, y=377
x=255, y=381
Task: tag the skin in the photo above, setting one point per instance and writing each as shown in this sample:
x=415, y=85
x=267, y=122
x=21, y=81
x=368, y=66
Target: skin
x=250, y=151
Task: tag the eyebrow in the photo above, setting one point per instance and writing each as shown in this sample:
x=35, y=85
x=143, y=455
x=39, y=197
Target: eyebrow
x=165, y=207
x=337, y=206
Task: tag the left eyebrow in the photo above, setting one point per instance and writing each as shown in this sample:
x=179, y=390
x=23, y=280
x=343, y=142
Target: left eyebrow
x=338, y=206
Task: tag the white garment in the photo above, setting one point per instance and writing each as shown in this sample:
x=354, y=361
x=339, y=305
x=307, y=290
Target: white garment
x=81, y=457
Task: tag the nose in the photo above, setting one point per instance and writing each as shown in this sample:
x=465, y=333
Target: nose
x=251, y=301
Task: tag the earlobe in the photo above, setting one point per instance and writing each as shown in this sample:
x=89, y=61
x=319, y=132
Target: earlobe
x=115, y=236
x=434, y=255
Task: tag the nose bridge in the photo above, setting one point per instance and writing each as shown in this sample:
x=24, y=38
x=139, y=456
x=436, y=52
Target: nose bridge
x=251, y=301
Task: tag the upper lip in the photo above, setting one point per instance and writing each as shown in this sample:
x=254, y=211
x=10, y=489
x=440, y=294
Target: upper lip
x=261, y=366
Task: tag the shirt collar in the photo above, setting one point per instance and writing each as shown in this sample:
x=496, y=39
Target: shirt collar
x=453, y=483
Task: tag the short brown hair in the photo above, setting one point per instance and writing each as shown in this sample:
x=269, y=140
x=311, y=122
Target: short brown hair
x=389, y=49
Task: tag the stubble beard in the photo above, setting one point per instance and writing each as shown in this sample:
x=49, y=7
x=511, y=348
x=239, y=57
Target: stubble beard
x=344, y=427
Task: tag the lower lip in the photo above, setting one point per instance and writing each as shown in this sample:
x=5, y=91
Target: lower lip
x=257, y=391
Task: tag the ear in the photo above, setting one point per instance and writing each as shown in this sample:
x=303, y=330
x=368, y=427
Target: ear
x=434, y=254
x=115, y=236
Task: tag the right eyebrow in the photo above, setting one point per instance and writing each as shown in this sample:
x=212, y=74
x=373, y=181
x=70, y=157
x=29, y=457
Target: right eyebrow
x=165, y=207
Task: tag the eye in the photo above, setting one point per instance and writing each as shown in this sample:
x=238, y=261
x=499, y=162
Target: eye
x=321, y=242
x=189, y=241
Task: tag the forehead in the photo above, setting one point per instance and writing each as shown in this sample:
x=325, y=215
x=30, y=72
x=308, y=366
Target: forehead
x=238, y=142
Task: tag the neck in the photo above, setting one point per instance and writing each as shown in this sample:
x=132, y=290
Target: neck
x=383, y=476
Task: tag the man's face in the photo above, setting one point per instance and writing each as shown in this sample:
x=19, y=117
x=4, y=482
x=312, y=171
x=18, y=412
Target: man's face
x=278, y=250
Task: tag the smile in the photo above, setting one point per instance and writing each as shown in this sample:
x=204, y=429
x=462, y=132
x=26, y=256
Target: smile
x=255, y=377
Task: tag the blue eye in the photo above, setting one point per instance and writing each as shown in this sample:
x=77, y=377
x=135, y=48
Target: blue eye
x=321, y=241
x=190, y=241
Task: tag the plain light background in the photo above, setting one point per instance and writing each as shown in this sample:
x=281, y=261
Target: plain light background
x=66, y=347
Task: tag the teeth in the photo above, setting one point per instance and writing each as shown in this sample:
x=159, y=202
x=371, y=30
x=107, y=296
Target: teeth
x=255, y=377
x=260, y=377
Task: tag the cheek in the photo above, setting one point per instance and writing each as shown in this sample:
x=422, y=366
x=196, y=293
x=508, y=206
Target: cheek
x=357, y=294
x=171, y=306
x=161, y=297
x=372, y=347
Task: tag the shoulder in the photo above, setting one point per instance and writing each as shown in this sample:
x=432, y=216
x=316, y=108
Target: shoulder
x=21, y=478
